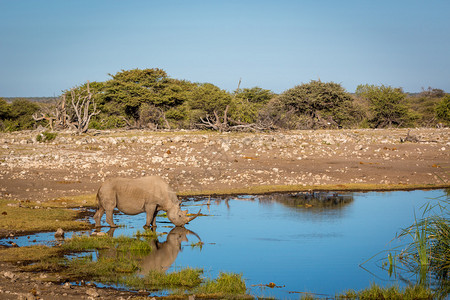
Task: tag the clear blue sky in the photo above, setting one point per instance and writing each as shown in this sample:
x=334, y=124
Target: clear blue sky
x=48, y=46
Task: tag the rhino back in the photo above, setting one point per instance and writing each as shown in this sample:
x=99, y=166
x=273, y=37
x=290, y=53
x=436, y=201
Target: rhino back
x=133, y=194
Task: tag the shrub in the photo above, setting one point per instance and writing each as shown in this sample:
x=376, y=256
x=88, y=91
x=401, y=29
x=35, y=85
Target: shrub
x=443, y=110
x=46, y=136
x=314, y=105
x=387, y=106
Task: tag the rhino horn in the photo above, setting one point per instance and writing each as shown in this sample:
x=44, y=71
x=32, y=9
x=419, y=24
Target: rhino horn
x=193, y=217
x=193, y=233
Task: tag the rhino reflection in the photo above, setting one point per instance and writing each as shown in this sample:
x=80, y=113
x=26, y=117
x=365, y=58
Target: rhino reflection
x=163, y=254
x=310, y=199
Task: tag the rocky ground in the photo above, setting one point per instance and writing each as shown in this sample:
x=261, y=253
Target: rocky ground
x=201, y=162
x=16, y=285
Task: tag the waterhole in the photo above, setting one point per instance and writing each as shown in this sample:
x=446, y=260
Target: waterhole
x=285, y=244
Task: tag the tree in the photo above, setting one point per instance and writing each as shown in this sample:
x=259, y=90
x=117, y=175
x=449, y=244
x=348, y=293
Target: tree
x=315, y=104
x=443, y=110
x=388, y=106
x=129, y=94
x=247, y=103
x=208, y=106
x=4, y=109
x=424, y=105
x=19, y=114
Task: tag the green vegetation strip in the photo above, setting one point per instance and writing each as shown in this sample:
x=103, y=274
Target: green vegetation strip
x=118, y=260
x=27, y=218
x=394, y=292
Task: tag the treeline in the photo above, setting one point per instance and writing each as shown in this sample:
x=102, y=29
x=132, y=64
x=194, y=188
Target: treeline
x=151, y=99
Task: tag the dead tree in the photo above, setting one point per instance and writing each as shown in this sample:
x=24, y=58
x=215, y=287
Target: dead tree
x=225, y=123
x=77, y=116
x=50, y=119
x=216, y=122
x=84, y=109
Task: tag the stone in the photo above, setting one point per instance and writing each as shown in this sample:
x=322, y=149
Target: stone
x=9, y=275
x=92, y=293
x=59, y=234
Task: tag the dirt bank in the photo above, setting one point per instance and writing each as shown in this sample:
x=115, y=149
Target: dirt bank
x=204, y=162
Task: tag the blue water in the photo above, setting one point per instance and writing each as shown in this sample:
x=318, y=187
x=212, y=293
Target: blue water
x=300, y=249
x=303, y=249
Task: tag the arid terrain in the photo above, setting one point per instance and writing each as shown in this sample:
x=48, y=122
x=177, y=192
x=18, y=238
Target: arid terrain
x=208, y=163
x=201, y=162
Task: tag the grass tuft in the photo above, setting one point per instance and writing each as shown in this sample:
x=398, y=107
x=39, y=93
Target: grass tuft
x=225, y=284
x=394, y=292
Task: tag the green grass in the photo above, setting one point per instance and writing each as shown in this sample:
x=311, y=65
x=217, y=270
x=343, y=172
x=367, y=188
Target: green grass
x=105, y=269
x=394, y=292
x=185, y=278
x=29, y=219
x=120, y=244
x=227, y=284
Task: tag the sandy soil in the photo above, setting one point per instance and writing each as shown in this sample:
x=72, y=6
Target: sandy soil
x=203, y=162
x=199, y=162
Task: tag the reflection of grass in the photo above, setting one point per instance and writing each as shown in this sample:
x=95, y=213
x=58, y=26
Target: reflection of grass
x=25, y=218
x=394, y=292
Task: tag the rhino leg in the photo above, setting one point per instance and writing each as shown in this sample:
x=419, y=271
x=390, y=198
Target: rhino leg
x=98, y=216
x=151, y=212
x=109, y=218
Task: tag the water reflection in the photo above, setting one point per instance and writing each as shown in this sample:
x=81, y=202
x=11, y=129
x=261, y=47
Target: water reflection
x=310, y=200
x=311, y=242
x=162, y=255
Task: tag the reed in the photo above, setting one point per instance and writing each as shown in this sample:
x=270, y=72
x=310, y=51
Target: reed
x=428, y=255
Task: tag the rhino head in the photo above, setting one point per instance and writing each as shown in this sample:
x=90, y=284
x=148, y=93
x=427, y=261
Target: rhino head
x=179, y=217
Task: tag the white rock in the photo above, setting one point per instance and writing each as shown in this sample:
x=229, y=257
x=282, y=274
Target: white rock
x=9, y=275
x=92, y=293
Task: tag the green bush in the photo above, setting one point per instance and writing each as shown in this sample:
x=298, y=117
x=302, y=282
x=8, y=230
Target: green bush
x=443, y=110
x=314, y=105
x=387, y=106
x=18, y=115
x=46, y=136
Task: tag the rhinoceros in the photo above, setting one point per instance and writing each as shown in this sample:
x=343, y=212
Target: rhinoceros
x=134, y=196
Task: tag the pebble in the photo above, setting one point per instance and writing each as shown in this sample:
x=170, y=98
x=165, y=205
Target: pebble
x=92, y=293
